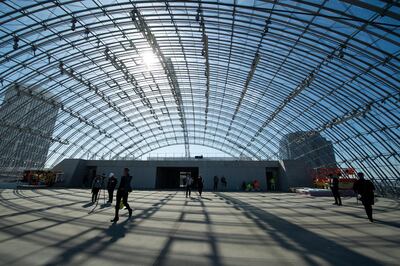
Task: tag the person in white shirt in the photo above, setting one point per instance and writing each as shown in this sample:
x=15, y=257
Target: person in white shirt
x=189, y=182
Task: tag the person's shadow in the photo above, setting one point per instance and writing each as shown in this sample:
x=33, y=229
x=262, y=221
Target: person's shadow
x=105, y=205
x=87, y=205
x=117, y=230
x=204, y=198
x=387, y=223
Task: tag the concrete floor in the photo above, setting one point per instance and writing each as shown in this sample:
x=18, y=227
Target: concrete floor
x=54, y=227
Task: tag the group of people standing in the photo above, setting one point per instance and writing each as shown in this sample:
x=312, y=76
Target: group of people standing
x=223, y=182
x=123, y=191
x=125, y=188
x=362, y=187
x=189, y=184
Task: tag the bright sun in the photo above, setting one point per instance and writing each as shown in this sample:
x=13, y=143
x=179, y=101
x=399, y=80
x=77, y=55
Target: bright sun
x=148, y=58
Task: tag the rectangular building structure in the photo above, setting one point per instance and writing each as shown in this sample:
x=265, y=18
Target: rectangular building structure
x=156, y=174
x=26, y=128
x=308, y=146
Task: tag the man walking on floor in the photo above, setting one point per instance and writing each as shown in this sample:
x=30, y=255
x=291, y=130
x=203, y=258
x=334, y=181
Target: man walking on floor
x=200, y=185
x=189, y=182
x=122, y=193
x=366, y=189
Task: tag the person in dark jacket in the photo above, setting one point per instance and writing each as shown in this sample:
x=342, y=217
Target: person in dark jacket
x=365, y=188
x=122, y=193
x=96, y=186
x=243, y=186
x=216, y=180
x=112, y=183
x=200, y=185
x=223, y=182
x=335, y=189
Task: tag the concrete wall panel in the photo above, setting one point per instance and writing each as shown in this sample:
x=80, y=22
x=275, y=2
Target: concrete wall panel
x=291, y=173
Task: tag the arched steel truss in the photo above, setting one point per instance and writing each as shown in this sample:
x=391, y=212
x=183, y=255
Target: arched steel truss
x=232, y=75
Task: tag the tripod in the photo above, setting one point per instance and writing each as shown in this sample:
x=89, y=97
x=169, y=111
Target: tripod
x=98, y=196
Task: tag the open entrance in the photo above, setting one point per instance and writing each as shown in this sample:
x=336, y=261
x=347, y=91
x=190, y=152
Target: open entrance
x=90, y=174
x=173, y=177
x=272, y=176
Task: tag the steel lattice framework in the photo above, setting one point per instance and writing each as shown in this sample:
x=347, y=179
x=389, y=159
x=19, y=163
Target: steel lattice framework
x=231, y=75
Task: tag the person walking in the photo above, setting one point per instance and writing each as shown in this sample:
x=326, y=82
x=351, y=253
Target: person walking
x=189, y=182
x=223, y=182
x=200, y=185
x=96, y=186
x=335, y=189
x=273, y=184
x=365, y=188
x=122, y=194
x=111, y=184
x=216, y=180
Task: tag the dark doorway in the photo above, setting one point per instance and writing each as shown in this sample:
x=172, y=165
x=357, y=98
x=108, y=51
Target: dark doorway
x=272, y=178
x=172, y=177
x=91, y=172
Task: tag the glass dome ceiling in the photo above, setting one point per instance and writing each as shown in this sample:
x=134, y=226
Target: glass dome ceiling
x=129, y=77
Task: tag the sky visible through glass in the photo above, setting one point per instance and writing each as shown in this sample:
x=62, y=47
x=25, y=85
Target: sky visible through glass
x=230, y=78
